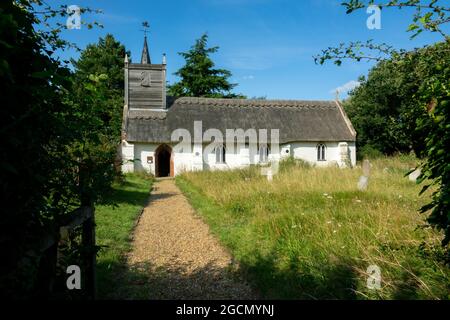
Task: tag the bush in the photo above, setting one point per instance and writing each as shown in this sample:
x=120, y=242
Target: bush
x=369, y=152
x=289, y=163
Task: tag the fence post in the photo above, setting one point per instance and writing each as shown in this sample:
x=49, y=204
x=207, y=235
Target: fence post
x=47, y=272
x=88, y=239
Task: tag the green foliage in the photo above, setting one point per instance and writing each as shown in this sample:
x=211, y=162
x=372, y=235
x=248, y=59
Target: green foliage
x=369, y=152
x=428, y=16
x=385, y=109
x=59, y=140
x=357, y=50
x=33, y=176
x=431, y=94
x=434, y=95
x=51, y=22
x=93, y=145
x=290, y=162
x=311, y=234
x=114, y=227
x=104, y=58
x=198, y=76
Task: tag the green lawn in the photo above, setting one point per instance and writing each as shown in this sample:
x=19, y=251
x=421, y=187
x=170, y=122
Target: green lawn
x=310, y=234
x=114, y=226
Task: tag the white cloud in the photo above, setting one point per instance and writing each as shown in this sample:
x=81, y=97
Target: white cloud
x=249, y=77
x=345, y=88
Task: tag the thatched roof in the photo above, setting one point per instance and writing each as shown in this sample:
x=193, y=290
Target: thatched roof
x=320, y=121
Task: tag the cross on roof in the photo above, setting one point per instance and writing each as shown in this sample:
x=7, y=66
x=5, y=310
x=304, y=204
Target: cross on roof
x=146, y=26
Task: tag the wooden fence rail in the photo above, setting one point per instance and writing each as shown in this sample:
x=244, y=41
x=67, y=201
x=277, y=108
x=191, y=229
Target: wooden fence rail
x=50, y=253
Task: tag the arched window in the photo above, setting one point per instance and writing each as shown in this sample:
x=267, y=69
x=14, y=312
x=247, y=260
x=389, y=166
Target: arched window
x=321, y=150
x=263, y=154
x=247, y=142
x=220, y=154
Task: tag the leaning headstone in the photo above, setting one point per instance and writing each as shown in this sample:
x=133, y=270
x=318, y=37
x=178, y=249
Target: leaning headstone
x=413, y=176
x=269, y=175
x=363, y=182
x=345, y=155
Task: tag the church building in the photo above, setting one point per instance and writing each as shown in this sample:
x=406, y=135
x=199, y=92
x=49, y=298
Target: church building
x=318, y=132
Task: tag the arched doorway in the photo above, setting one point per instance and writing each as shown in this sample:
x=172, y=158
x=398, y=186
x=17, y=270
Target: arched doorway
x=163, y=161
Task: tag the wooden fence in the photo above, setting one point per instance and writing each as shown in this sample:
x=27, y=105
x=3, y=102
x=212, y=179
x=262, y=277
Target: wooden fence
x=49, y=250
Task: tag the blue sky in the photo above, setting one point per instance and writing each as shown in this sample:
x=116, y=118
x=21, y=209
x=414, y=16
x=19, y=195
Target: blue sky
x=267, y=44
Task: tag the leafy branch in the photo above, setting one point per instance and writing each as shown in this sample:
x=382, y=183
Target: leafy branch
x=430, y=16
x=357, y=50
x=48, y=18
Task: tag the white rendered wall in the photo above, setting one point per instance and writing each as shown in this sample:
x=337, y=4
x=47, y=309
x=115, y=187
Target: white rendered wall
x=127, y=157
x=307, y=151
x=192, y=159
x=187, y=160
x=183, y=160
x=141, y=152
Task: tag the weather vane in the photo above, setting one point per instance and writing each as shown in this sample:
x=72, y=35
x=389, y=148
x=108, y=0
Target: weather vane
x=146, y=26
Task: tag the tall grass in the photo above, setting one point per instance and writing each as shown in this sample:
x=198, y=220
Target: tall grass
x=311, y=234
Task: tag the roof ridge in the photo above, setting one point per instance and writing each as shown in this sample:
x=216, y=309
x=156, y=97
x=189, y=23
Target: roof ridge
x=255, y=102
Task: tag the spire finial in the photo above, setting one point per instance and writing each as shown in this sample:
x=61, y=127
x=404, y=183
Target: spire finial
x=145, y=58
x=146, y=26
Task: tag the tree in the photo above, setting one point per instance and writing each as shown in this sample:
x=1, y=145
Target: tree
x=104, y=58
x=429, y=16
x=433, y=96
x=92, y=147
x=384, y=109
x=33, y=190
x=57, y=152
x=198, y=76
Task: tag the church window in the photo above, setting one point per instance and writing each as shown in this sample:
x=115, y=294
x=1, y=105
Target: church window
x=220, y=154
x=321, y=151
x=264, y=154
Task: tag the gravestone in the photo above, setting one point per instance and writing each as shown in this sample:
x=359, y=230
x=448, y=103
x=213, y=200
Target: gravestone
x=269, y=175
x=344, y=153
x=363, y=182
x=366, y=168
x=413, y=176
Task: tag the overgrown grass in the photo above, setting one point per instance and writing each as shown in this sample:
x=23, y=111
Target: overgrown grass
x=114, y=226
x=311, y=234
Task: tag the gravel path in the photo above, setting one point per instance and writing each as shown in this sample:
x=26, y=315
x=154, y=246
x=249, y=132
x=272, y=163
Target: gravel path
x=173, y=247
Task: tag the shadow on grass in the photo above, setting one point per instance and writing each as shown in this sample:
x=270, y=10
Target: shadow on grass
x=335, y=280
x=118, y=197
x=144, y=281
x=407, y=287
x=118, y=280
